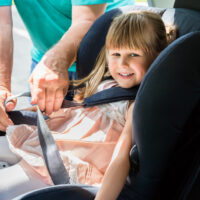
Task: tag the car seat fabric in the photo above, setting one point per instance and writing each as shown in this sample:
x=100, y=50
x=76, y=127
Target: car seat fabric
x=184, y=166
x=185, y=19
x=192, y=4
x=61, y=192
x=165, y=100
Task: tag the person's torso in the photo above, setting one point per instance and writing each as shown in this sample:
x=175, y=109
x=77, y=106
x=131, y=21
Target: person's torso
x=47, y=20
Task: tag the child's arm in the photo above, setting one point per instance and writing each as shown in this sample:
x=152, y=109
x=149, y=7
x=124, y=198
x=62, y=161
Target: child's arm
x=118, y=169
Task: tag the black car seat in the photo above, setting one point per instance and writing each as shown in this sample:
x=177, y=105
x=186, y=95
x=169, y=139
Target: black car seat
x=166, y=132
x=166, y=116
x=182, y=175
x=166, y=127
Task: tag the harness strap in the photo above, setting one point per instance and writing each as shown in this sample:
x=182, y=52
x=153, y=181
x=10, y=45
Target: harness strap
x=111, y=95
x=106, y=96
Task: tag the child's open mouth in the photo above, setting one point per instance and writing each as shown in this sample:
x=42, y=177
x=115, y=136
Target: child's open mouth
x=126, y=75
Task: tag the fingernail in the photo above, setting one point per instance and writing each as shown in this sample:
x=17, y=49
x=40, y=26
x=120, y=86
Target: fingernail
x=10, y=107
x=32, y=101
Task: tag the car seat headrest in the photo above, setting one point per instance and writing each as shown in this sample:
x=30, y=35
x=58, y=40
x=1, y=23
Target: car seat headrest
x=191, y=4
x=185, y=19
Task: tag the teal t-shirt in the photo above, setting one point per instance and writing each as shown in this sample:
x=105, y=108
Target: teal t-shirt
x=47, y=20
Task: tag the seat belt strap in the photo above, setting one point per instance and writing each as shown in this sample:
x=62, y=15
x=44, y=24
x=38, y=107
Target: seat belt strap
x=50, y=151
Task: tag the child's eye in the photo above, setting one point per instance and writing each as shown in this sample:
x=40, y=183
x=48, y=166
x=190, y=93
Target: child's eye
x=134, y=55
x=115, y=54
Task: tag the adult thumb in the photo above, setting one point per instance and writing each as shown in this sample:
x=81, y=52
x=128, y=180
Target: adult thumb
x=10, y=105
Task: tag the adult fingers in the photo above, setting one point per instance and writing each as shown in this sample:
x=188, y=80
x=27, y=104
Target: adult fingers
x=49, y=100
x=2, y=128
x=59, y=96
x=5, y=121
x=4, y=94
x=11, y=105
x=37, y=92
x=39, y=99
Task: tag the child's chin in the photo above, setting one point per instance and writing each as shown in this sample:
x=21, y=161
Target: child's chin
x=126, y=85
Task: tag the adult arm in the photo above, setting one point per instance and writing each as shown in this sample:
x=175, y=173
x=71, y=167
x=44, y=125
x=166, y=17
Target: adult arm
x=118, y=169
x=6, y=61
x=49, y=81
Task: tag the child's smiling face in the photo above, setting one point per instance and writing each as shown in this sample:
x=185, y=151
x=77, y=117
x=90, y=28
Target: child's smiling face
x=128, y=66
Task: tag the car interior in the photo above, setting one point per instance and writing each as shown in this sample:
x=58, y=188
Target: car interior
x=165, y=158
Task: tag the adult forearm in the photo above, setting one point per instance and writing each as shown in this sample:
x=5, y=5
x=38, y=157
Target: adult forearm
x=82, y=19
x=67, y=47
x=49, y=81
x=6, y=54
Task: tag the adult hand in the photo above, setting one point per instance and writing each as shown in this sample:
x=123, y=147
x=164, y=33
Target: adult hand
x=4, y=119
x=49, y=82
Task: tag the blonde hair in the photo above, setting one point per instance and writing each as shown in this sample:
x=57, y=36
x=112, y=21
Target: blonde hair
x=142, y=30
x=94, y=78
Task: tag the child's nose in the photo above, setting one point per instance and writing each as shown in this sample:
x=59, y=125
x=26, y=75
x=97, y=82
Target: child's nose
x=124, y=63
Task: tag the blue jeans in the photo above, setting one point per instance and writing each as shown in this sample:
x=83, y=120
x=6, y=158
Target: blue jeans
x=33, y=64
x=72, y=76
